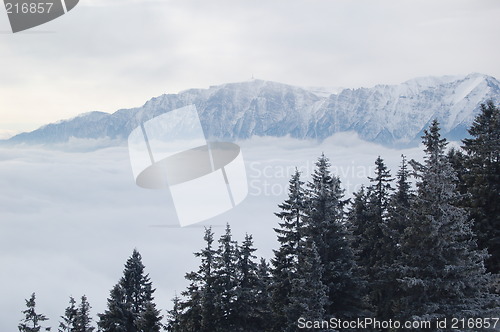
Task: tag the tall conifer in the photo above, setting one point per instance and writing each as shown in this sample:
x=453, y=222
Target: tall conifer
x=326, y=227
x=482, y=180
x=441, y=272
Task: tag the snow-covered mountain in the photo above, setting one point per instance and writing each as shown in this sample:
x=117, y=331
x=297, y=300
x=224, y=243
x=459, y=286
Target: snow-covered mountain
x=388, y=114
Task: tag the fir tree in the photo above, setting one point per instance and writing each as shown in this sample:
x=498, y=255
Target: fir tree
x=326, y=226
x=77, y=319
x=398, y=219
x=399, y=210
x=247, y=308
x=129, y=298
x=206, y=276
x=358, y=216
x=371, y=242
x=402, y=197
x=308, y=297
x=116, y=316
x=174, y=317
x=292, y=214
x=198, y=312
x=229, y=292
x=68, y=320
x=263, y=297
x=482, y=180
x=377, y=246
x=149, y=319
x=83, y=320
x=136, y=284
x=225, y=282
x=441, y=272
x=381, y=189
x=290, y=233
x=32, y=320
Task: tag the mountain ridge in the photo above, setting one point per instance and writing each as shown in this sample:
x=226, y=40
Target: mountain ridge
x=392, y=115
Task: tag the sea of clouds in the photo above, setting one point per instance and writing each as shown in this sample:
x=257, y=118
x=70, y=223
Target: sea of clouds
x=70, y=216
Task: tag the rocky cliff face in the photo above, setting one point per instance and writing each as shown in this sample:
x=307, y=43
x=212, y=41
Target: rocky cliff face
x=387, y=114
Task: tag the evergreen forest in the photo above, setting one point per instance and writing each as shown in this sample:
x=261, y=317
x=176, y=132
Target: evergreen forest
x=421, y=245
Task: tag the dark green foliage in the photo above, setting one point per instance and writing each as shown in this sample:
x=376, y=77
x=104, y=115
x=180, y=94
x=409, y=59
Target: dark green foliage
x=116, y=316
x=381, y=189
x=440, y=270
x=482, y=180
x=136, y=284
x=129, y=299
x=251, y=304
x=399, y=205
x=327, y=228
x=174, y=317
x=308, y=295
x=83, y=320
x=370, y=221
x=68, y=320
x=197, y=312
x=226, y=282
x=376, y=236
x=149, y=319
x=290, y=233
x=32, y=320
x=229, y=292
x=77, y=319
x=263, y=296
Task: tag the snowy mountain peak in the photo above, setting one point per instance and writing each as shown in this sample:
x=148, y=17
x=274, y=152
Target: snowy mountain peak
x=388, y=114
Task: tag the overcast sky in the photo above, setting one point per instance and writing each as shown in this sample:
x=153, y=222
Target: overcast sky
x=111, y=54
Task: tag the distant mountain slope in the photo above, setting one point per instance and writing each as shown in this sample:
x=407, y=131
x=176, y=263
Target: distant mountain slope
x=388, y=114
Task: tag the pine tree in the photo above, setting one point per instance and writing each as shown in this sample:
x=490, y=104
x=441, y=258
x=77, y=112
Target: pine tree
x=401, y=200
x=77, y=319
x=136, y=284
x=482, y=180
x=308, y=297
x=375, y=242
x=149, y=319
x=31, y=321
x=290, y=233
x=206, y=275
x=385, y=298
x=247, y=309
x=68, y=320
x=327, y=228
x=174, y=317
x=441, y=272
x=381, y=188
x=190, y=309
x=225, y=282
x=371, y=242
x=116, y=316
x=229, y=292
x=129, y=298
x=357, y=217
x=197, y=312
x=83, y=320
x=263, y=296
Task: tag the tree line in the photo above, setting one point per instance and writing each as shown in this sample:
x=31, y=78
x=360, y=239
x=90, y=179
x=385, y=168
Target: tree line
x=422, y=245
